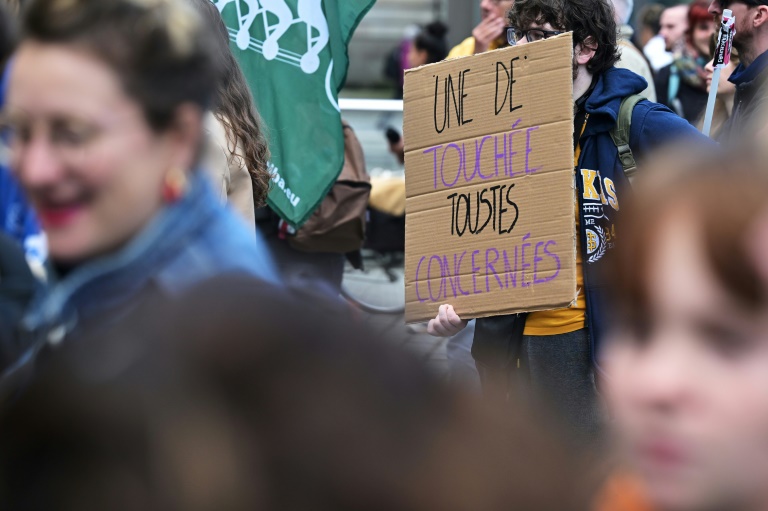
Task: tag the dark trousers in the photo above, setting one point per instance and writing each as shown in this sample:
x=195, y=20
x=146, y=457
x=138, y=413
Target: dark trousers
x=555, y=370
x=302, y=270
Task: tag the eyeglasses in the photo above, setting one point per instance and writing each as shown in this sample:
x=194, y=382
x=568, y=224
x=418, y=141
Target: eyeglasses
x=70, y=140
x=531, y=35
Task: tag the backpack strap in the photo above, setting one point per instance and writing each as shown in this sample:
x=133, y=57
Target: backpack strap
x=620, y=133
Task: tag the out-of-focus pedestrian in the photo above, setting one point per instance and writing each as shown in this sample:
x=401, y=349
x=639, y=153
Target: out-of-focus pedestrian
x=649, y=38
x=687, y=364
x=489, y=33
x=104, y=121
x=13, y=5
x=649, y=23
x=630, y=57
x=672, y=26
x=210, y=402
x=17, y=288
x=236, y=150
x=726, y=92
x=429, y=46
x=682, y=84
x=397, y=60
x=751, y=77
x=17, y=219
x=550, y=355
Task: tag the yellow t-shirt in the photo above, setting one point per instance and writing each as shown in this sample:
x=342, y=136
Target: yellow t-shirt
x=563, y=321
x=467, y=48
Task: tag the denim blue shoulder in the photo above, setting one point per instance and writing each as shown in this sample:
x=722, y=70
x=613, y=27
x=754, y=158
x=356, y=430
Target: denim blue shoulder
x=18, y=219
x=192, y=240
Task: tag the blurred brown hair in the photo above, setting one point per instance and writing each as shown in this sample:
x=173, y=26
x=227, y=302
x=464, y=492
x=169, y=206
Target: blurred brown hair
x=160, y=49
x=216, y=403
x=725, y=193
x=235, y=109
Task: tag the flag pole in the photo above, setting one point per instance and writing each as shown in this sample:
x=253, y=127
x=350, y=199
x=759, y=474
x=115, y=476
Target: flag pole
x=721, y=59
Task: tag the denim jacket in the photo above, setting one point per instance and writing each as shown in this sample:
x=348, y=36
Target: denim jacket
x=189, y=241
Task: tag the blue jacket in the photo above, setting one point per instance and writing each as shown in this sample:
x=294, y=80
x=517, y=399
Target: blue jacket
x=18, y=220
x=601, y=185
x=188, y=242
x=600, y=180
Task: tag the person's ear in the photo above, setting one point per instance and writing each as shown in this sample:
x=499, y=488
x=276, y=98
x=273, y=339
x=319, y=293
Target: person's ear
x=585, y=50
x=761, y=16
x=186, y=134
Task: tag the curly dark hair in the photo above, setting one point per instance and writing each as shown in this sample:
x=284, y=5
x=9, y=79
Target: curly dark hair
x=235, y=109
x=591, y=21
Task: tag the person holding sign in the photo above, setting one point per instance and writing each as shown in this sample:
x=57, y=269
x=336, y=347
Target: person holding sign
x=751, y=77
x=554, y=350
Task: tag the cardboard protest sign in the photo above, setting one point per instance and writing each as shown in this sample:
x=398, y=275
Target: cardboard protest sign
x=490, y=218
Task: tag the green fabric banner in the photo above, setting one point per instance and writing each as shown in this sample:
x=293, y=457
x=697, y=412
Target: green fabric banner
x=294, y=56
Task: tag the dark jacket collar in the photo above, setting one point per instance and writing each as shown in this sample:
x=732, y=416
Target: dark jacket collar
x=744, y=75
x=92, y=285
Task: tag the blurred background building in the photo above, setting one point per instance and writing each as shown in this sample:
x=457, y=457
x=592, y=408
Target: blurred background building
x=365, y=98
x=388, y=22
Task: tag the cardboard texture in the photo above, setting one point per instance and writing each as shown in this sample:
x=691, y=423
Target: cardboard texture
x=490, y=222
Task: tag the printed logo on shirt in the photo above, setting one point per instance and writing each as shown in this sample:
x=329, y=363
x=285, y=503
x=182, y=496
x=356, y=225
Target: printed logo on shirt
x=599, y=193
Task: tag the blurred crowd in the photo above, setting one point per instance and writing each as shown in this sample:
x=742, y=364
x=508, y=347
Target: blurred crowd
x=162, y=346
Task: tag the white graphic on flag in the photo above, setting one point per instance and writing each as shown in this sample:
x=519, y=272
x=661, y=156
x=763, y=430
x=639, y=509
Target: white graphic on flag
x=309, y=13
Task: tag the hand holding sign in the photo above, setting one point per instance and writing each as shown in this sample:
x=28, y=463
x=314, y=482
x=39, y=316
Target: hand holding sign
x=489, y=182
x=447, y=323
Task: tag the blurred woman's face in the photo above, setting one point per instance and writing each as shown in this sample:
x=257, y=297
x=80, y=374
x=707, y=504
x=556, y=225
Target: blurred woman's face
x=82, y=150
x=416, y=57
x=701, y=35
x=724, y=87
x=688, y=386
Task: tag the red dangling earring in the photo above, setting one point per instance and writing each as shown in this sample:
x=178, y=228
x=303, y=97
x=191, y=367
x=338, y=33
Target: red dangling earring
x=174, y=185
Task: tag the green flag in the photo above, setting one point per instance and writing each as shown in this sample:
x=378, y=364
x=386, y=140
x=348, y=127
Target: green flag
x=294, y=56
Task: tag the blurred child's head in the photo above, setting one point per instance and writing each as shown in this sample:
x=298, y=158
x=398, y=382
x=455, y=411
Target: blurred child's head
x=687, y=365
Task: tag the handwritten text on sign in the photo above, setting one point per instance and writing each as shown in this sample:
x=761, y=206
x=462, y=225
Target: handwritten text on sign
x=490, y=221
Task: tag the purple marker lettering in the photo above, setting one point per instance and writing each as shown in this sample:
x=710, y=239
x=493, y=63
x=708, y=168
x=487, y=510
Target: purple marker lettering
x=478, y=159
x=490, y=269
x=509, y=162
x=510, y=273
x=442, y=165
x=499, y=155
x=429, y=278
x=536, y=260
x=457, y=272
x=475, y=269
x=524, y=265
x=418, y=266
x=448, y=276
x=553, y=256
x=529, y=150
x=434, y=157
